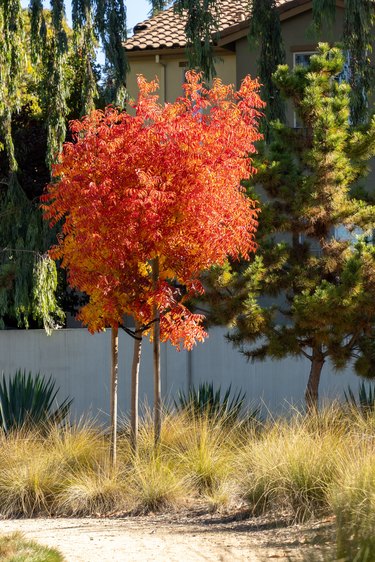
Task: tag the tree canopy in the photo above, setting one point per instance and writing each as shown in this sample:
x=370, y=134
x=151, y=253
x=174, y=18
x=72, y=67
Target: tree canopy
x=176, y=198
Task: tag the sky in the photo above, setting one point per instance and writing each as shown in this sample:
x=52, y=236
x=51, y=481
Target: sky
x=136, y=11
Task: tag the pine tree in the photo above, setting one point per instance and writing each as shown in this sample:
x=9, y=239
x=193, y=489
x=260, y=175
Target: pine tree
x=308, y=292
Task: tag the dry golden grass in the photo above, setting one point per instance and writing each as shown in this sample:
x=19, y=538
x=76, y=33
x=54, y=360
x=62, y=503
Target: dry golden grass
x=305, y=466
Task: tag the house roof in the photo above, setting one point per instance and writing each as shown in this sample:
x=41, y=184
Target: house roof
x=166, y=30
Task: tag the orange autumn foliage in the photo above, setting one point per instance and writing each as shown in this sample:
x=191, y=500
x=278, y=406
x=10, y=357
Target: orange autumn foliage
x=163, y=184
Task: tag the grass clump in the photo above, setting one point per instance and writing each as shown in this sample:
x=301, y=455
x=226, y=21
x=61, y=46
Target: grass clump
x=206, y=457
x=155, y=484
x=29, y=477
x=96, y=490
x=15, y=548
x=353, y=503
x=291, y=468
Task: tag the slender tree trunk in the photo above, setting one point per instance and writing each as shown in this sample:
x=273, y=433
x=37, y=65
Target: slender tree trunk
x=135, y=384
x=156, y=349
x=312, y=389
x=114, y=381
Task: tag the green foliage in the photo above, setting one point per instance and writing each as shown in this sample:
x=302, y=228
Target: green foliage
x=358, y=39
x=323, y=11
x=202, y=21
x=111, y=27
x=27, y=400
x=265, y=33
x=206, y=402
x=28, y=279
x=158, y=6
x=359, y=17
x=47, y=76
x=308, y=291
x=365, y=402
x=15, y=548
x=45, y=307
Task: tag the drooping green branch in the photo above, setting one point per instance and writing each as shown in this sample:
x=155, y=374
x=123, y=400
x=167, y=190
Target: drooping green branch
x=323, y=11
x=111, y=25
x=158, y=6
x=84, y=46
x=202, y=22
x=11, y=68
x=359, y=18
x=38, y=29
x=358, y=38
x=265, y=33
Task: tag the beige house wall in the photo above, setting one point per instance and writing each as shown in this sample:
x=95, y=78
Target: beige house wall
x=169, y=70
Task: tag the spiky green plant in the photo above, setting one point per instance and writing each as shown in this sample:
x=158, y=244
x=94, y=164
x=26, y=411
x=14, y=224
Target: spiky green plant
x=26, y=399
x=365, y=402
x=206, y=401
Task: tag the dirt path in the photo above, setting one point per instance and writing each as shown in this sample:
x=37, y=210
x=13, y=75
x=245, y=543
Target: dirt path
x=173, y=539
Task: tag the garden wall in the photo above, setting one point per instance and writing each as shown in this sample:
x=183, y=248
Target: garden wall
x=80, y=363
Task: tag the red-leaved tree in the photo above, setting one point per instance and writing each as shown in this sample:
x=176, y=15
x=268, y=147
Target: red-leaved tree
x=148, y=202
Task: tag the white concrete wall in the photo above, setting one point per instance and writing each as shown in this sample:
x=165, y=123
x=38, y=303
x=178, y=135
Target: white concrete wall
x=80, y=363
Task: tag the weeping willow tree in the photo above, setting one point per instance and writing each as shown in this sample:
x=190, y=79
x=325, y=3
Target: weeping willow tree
x=202, y=22
x=47, y=74
x=265, y=33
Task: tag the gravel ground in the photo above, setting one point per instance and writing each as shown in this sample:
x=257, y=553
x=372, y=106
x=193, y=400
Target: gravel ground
x=176, y=537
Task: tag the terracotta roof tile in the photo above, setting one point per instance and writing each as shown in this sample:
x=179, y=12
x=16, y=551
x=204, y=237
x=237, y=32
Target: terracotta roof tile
x=167, y=29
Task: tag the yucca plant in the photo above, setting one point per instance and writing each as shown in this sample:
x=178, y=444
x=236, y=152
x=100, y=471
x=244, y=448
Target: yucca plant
x=366, y=399
x=27, y=400
x=205, y=401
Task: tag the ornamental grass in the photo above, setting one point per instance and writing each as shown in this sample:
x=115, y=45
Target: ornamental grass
x=302, y=467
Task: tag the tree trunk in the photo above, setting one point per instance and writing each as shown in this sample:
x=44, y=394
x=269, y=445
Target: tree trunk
x=312, y=389
x=114, y=381
x=156, y=350
x=135, y=384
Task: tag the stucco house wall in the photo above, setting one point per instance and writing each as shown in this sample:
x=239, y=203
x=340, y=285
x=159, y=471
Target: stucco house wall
x=169, y=69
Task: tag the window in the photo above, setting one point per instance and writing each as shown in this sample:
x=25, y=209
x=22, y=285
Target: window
x=302, y=58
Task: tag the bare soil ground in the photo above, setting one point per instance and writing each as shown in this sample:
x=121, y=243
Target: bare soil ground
x=177, y=537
